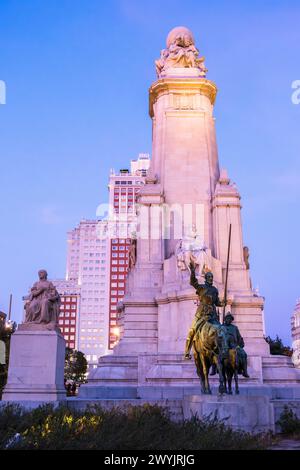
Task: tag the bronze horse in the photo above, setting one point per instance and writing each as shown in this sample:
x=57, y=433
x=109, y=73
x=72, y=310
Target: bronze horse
x=210, y=348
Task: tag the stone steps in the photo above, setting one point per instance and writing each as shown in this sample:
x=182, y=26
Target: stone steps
x=279, y=370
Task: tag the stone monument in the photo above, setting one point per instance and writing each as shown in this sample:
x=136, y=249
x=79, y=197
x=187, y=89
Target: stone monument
x=185, y=210
x=37, y=350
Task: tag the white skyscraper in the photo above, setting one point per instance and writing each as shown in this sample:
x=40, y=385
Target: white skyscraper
x=97, y=262
x=87, y=265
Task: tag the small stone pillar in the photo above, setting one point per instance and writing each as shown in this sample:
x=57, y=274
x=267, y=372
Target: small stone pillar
x=36, y=365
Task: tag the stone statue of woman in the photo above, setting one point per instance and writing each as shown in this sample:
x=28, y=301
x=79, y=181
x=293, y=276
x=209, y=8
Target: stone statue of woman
x=43, y=305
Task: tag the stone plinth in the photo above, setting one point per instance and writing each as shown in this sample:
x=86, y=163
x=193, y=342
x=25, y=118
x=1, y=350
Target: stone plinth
x=36, y=366
x=248, y=413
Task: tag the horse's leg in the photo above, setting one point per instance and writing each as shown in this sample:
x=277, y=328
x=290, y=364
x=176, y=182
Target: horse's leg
x=199, y=370
x=236, y=381
x=222, y=377
x=229, y=375
x=235, y=372
x=205, y=366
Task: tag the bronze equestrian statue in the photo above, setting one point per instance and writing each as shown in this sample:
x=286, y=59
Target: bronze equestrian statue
x=207, y=335
x=215, y=345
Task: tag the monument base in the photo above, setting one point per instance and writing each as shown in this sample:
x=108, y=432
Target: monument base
x=173, y=370
x=36, y=367
x=256, y=408
x=249, y=413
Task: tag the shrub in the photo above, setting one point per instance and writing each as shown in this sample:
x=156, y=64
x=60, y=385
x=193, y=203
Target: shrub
x=134, y=428
x=289, y=422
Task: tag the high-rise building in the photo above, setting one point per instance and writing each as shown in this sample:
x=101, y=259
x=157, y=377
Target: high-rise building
x=87, y=266
x=69, y=292
x=97, y=262
x=123, y=189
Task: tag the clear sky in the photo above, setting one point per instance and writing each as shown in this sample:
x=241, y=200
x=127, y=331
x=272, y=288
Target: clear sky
x=77, y=74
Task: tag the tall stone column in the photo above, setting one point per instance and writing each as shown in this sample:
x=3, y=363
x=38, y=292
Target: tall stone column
x=226, y=209
x=185, y=158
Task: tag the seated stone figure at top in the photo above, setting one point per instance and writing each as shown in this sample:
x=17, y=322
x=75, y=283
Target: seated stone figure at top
x=180, y=52
x=43, y=305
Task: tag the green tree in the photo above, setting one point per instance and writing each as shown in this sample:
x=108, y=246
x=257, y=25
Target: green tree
x=277, y=347
x=75, y=366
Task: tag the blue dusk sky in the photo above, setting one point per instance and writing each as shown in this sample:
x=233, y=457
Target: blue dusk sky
x=77, y=74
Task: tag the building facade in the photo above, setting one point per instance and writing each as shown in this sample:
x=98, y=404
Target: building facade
x=123, y=190
x=97, y=263
x=87, y=267
x=296, y=335
x=69, y=293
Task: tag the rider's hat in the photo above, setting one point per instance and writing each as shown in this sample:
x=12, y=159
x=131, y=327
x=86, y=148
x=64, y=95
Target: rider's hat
x=228, y=315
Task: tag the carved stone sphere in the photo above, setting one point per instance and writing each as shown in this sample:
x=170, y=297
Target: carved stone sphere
x=179, y=30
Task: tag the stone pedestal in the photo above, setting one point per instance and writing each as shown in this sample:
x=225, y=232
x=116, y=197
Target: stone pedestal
x=247, y=413
x=36, y=366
